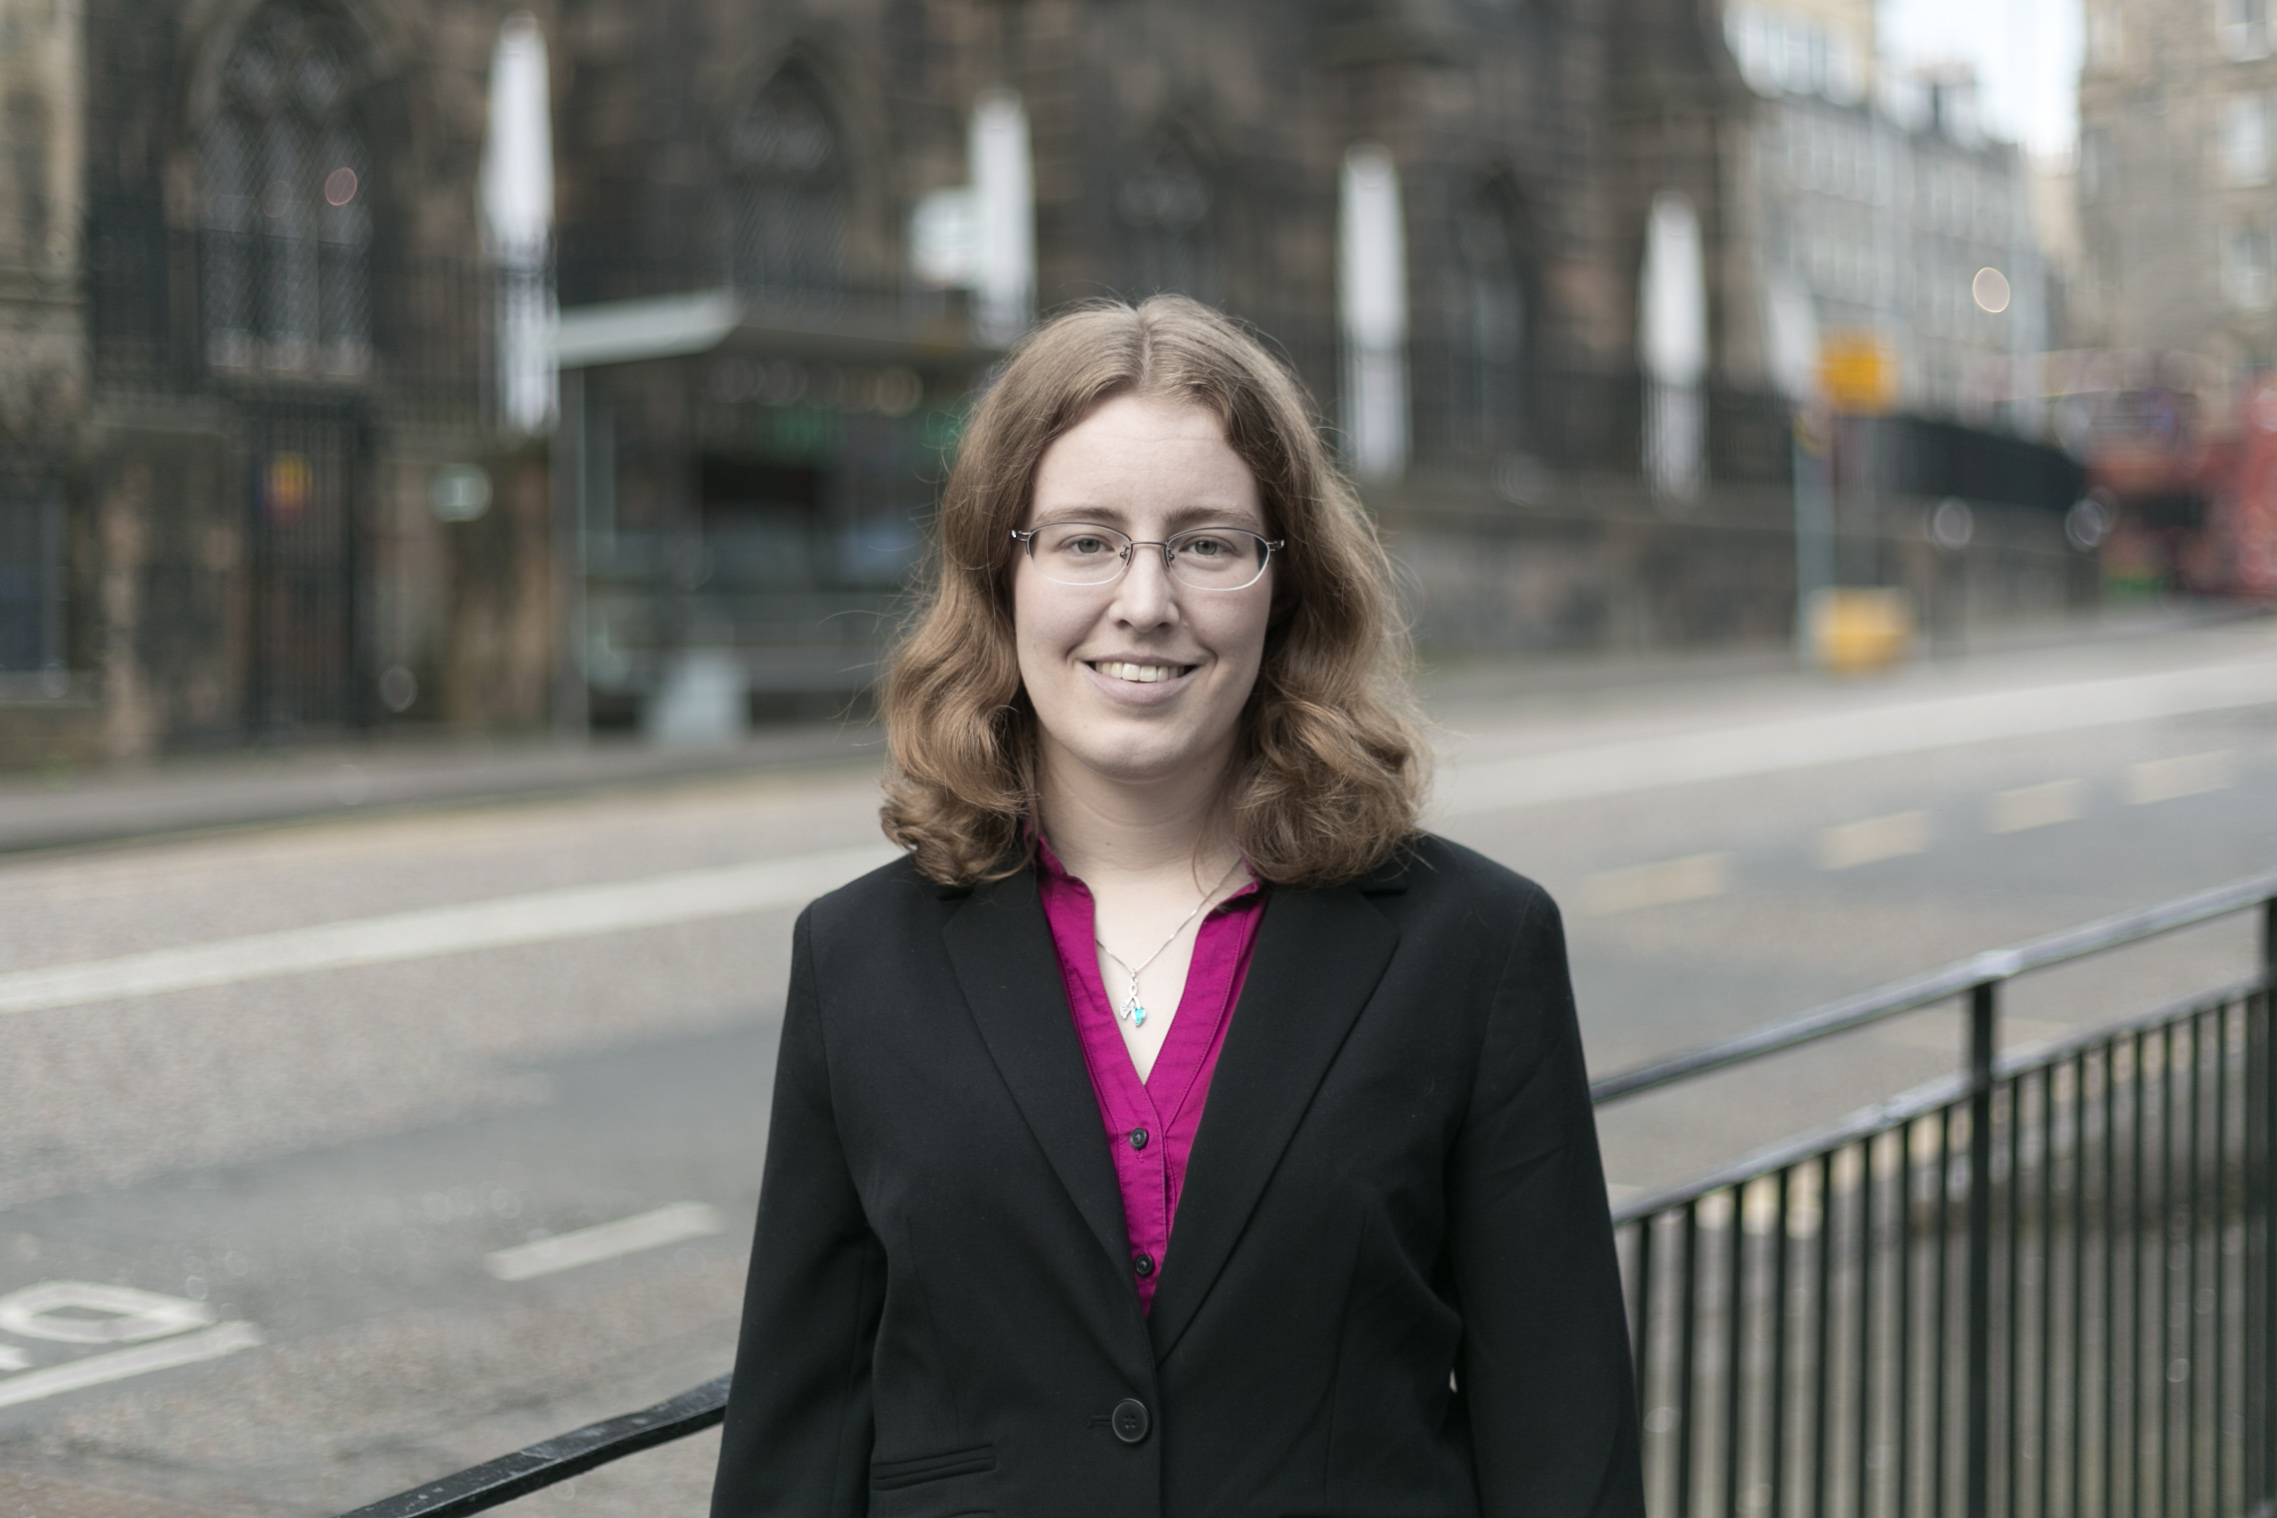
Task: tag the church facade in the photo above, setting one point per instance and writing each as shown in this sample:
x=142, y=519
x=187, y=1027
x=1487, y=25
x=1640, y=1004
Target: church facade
x=256, y=482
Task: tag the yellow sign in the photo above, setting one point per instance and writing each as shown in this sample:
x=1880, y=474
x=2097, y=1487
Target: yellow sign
x=287, y=487
x=1858, y=371
x=1854, y=630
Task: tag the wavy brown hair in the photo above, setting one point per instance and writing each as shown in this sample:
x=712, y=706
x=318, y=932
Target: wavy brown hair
x=1329, y=774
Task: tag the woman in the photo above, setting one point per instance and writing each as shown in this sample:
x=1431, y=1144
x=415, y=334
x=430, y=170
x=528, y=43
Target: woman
x=1176, y=1130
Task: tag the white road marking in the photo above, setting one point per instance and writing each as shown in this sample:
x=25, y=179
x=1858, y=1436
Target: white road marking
x=1695, y=877
x=118, y=1364
x=90, y=1312
x=1857, y=843
x=2035, y=806
x=2183, y=775
x=605, y=1241
x=1798, y=743
x=539, y=917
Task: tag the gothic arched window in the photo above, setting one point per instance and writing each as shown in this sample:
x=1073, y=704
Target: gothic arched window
x=288, y=228
x=788, y=201
x=1164, y=206
x=1488, y=315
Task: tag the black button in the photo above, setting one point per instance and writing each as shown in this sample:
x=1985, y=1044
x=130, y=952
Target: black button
x=1129, y=1420
x=1138, y=1138
x=1144, y=1264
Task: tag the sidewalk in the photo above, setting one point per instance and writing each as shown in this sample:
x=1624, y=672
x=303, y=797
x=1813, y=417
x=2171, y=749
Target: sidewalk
x=1574, y=697
x=198, y=794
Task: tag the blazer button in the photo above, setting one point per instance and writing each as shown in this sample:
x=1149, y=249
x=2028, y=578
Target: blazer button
x=1143, y=1264
x=1138, y=1138
x=1130, y=1420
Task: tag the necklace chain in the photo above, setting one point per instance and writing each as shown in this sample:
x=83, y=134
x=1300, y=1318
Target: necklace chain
x=1134, y=1011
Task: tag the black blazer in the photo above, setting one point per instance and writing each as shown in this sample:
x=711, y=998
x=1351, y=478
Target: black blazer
x=1390, y=1289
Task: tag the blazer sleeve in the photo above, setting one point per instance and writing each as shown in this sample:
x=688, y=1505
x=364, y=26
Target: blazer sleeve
x=798, y=1432
x=1544, y=1365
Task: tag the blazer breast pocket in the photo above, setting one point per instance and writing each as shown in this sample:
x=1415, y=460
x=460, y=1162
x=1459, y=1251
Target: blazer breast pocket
x=893, y=1475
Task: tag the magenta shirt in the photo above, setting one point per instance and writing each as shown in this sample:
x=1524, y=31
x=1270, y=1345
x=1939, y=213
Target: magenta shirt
x=1151, y=1124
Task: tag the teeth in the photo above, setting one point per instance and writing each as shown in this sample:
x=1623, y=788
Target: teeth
x=1144, y=674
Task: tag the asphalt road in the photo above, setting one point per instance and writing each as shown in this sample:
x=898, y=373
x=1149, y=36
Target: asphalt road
x=423, y=1136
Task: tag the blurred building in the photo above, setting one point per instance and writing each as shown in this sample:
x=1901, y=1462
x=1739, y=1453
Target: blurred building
x=1879, y=204
x=2176, y=307
x=1904, y=286
x=2178, y=208
x=241, y=246
x=1917, y=236
x=279, y=453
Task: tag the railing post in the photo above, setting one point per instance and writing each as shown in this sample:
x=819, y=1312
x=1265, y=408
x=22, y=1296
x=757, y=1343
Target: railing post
x=2261, y=1228
x=1984, y=1017
x=2269, y=944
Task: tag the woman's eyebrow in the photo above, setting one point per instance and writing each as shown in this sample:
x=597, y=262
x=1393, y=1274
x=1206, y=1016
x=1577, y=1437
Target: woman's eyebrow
x=1105, y=516
x=1179, y=519
x=1214, y=516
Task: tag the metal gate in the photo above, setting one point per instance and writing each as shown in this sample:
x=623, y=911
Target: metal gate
x=307, y=602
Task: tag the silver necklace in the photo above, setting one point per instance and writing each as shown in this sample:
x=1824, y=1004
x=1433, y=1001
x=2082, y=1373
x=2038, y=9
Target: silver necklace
x=1134, y=1011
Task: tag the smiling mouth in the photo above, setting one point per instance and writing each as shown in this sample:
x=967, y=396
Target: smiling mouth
x=1142, y=674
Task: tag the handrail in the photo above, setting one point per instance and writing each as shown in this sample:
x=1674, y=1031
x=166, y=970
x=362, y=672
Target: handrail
x=551, y=1461
x=1919, y=991
x=1923, y=1099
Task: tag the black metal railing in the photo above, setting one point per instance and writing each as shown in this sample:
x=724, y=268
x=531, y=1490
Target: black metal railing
x=1860, y=1326
x=2044, y=1285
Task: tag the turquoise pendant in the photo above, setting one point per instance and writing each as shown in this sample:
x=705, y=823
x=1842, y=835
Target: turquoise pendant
x=1138, y=1015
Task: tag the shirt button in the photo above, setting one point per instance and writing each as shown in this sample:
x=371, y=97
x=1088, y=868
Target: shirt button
x=1144, y=1264
x=1129, y=1420
x=1138, y=1138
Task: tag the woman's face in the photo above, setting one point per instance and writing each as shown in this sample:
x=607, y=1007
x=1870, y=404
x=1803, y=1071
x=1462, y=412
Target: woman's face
x=1143, y=679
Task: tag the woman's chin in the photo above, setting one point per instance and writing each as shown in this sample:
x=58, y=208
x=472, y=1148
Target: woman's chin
x=1147, y=757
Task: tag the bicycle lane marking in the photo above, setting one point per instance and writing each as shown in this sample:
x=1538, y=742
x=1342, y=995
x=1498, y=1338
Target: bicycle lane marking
x=160, y=1332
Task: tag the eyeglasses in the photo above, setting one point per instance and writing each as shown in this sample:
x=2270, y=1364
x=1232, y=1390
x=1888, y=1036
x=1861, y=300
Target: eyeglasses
x=1204, y=558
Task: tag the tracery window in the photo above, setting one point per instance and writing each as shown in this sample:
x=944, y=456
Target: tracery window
x=788, y=200
x=1488, y=314
x=1164, y=206
x=288, y=228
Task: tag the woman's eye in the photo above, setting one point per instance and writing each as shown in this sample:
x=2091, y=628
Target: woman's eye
x=1206, y=548
x=1085, y=546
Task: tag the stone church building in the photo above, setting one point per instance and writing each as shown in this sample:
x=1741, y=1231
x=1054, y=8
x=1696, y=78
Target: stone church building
x=255, y=482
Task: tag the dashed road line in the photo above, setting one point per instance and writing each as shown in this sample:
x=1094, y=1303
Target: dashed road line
x=2183, y=775
x=538, y=917
x=1663, y=883
x=1876, y=838
x=2035, y=806
x=672, y=1224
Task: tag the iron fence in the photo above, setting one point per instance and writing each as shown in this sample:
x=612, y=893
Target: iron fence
x=2044, y=1285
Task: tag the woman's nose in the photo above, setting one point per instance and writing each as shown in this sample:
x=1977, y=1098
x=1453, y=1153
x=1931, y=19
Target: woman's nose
x=1144, y=596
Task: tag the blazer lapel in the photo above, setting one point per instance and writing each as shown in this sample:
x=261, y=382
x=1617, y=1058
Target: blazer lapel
x=1002, y=949
x=1319, y=955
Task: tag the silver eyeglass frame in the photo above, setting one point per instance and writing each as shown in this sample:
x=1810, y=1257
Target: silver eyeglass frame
x=1026, y=538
